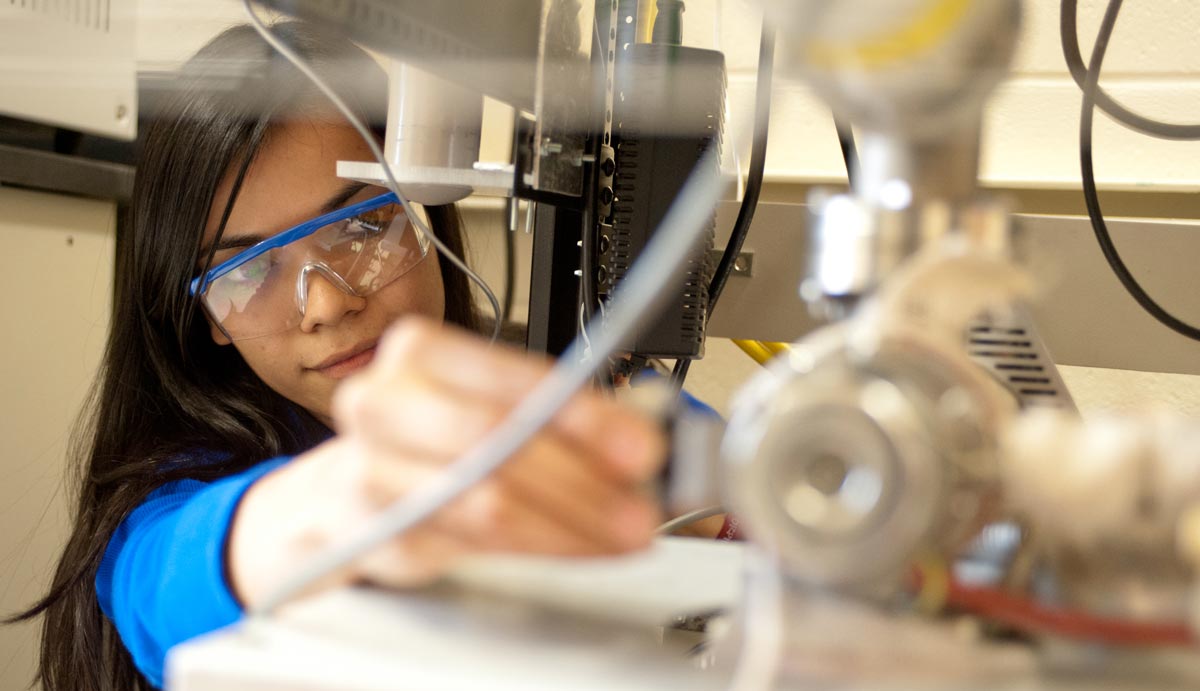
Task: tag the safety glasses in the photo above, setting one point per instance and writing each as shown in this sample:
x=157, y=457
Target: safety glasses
x=359, y=249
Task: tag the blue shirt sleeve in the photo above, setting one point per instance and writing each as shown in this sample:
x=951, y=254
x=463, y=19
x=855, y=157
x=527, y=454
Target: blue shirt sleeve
x=690, y=402
x=162, y=580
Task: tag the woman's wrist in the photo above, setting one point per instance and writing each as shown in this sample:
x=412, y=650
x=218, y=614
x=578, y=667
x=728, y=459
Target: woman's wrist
x=285, y=518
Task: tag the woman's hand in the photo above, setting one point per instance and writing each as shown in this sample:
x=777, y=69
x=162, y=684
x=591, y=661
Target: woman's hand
x=429, y=396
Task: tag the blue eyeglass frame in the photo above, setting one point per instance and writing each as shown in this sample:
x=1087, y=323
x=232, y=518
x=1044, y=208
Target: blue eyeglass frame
x=200, y=283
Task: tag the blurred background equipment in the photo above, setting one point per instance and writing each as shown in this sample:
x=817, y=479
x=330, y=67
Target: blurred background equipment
x=85, y=80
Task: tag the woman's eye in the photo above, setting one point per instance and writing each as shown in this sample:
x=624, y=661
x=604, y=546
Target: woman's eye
x=254, y=271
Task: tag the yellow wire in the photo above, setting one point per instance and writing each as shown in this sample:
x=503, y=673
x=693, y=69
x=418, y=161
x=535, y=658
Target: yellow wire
x=774, y=347
x=924, y=32
x=935, y=583
x=754, y=349
x=647, y=11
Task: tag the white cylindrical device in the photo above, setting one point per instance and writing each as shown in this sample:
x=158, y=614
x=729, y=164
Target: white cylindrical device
x=433, y=130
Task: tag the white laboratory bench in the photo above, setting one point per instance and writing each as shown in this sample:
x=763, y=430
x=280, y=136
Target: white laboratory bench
x=596, y=625
x=497, y=623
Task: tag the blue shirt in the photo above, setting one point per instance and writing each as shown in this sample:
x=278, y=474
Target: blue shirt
x=162, y=580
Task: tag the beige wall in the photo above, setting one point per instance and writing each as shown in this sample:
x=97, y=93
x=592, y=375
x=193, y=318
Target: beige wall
x=55, y=279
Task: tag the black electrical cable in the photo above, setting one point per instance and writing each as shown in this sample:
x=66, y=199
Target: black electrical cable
x=1070, y=46
x=510, y=269
x=758, y=164
x=1087, y=116
x=679, y=372
x=668, y=23
x=589, y=229
x=754, y=182
x=845, y=137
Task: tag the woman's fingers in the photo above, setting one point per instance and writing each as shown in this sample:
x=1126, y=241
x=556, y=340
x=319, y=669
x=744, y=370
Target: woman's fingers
x=543, y=500
x=549, y=477
x=411, y=414
x=438, y=390
x=432, y=394
x=499, y=521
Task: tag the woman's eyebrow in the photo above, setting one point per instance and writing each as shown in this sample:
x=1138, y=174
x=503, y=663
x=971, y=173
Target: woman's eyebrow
x=236, y=242
x=343, y=195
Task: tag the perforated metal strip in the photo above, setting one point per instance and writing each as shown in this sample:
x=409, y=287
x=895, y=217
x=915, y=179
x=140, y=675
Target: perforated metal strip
x=1014, y=352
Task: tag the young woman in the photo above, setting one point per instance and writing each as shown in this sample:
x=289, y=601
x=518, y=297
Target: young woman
x=272, y=380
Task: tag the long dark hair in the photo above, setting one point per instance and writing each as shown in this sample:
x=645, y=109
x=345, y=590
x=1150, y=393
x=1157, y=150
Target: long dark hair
x=165, y=391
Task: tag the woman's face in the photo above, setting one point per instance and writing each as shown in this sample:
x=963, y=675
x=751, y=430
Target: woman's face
x=291, y=181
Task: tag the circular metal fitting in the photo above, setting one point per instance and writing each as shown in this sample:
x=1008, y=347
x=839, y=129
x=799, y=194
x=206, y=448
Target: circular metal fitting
x=851, y=468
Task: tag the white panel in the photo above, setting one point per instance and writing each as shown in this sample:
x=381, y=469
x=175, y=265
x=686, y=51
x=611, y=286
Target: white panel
x=56, y=276
x=70, y=64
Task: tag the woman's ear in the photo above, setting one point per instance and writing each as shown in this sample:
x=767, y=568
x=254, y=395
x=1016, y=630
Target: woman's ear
x=218, y=334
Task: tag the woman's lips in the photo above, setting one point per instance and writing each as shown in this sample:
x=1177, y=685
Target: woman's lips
x=347, y=365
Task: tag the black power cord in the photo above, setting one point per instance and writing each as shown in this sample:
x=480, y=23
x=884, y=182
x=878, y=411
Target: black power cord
x=1091, y=92
x=754, y=182
x=845, y=137
x=1079, y=72
x=510, y=268
x=668, y=24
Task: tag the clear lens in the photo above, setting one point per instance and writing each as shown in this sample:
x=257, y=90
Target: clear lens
x=368, y=251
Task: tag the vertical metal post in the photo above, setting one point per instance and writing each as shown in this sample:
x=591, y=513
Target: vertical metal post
x=553, y=283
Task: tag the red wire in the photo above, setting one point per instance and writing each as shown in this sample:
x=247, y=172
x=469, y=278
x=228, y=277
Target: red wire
x=1027, y=615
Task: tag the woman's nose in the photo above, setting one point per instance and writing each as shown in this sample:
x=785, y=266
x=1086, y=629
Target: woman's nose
x=324, y=298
